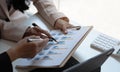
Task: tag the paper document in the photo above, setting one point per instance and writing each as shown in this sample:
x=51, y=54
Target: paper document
x=57, y=54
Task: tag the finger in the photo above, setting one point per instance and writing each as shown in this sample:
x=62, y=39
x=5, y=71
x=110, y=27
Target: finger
x=43, y=36
x=64, y=29
x=46, y=33
x=43, y=31
x=33, y=39
x=33, y=36
x=34, y=32
x=71, y=26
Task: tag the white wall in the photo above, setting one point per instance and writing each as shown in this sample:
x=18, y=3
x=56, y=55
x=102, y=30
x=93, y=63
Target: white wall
x=104, y=15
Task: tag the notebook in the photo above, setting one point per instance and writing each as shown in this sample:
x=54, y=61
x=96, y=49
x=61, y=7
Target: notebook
x=55, y=55
x=91, y=65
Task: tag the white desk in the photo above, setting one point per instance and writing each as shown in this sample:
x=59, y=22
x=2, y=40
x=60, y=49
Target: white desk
x=83, y=53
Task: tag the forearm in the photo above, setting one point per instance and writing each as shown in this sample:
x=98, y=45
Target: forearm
x=12, y=54
x=13, y=31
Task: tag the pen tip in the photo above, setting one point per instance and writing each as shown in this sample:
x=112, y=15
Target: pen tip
x=34, y=24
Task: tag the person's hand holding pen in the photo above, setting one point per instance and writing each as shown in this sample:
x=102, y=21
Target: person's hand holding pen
x=27, y=47
x=36, y=30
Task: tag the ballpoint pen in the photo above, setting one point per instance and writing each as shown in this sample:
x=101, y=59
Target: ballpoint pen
x=51, y=38
x=76, y=27
x=32, y=39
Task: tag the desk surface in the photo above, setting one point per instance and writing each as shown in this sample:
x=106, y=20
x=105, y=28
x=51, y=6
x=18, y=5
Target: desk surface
x=83, y=52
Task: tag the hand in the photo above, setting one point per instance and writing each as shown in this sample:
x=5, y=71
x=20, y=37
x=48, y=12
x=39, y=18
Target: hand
x=24, y=49
x=36, y=30
x=63, y=25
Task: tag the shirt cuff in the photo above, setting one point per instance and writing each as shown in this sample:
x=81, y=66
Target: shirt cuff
x=5, y=63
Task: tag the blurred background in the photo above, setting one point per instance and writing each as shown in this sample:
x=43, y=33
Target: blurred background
x=104, y=15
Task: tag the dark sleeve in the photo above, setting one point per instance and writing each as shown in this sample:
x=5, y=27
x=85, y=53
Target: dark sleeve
x=5, y=63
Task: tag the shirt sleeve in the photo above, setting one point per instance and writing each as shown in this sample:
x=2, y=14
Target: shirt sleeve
x=5, y=63
x=48, y=11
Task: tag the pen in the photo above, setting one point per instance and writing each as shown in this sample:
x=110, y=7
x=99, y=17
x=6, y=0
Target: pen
x=54, y=39
x=34, y=24
x=51, y=38
x=31, y=40
x=76, y=27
